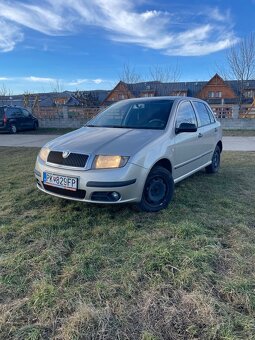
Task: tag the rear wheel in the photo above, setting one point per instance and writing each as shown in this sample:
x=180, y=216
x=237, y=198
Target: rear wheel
x=13, y=129
x=35, y=126
x=158, y=190
x=215, y=165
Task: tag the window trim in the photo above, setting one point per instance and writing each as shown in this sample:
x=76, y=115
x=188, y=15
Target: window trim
x=177, y=108
x=193, y=104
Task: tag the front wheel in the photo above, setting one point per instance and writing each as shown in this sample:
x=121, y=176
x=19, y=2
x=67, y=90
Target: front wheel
x=158, y=190
x=215, y=165
x=35, y=126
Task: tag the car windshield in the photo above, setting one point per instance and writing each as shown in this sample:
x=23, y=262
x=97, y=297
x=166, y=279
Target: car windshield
x=147, y=114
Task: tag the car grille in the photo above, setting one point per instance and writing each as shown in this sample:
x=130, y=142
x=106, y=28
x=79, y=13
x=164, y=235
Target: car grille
x=80, y=194
x=74, y=159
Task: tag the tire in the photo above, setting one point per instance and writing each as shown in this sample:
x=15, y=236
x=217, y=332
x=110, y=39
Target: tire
x=215, y=165
x=158, y=190
x=13, y=129
x=35, y=126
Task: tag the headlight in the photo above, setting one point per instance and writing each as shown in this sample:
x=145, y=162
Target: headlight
x=43, y=154
x=109, y=162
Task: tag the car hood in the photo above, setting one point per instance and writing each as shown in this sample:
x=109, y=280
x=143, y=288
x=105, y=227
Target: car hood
x=99, y=140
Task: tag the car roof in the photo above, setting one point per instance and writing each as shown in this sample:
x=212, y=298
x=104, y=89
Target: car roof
x=12, y=106
x=175, y=98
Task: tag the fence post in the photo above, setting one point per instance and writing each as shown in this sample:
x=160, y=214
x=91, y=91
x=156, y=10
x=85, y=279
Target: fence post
x=235, y=111
x=65, y=112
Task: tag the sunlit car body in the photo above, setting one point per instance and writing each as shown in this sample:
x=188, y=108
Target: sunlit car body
x=134, y=151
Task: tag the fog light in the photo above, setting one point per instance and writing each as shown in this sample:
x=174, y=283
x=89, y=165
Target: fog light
x=115, y=196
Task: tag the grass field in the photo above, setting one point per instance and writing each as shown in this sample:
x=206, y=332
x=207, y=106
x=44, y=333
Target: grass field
x=77, y=271
x=239, y=133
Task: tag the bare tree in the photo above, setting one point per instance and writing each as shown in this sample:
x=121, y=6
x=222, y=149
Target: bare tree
x=241, y=62
x=129, y=74
x=222, y=70
x=165, y=74
x=57, y=86
x=5, y=95
x=26, y=99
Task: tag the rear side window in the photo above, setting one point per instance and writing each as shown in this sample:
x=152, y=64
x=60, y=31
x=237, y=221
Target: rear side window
x=203, y=113
x=13, y=112
x=25, y=113
x=185, y=114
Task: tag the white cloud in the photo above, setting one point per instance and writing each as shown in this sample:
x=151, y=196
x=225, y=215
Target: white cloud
x=39, y=79
x=37, y=17
x=10, y=35
x=83, y=81
x=122, y=22
x=216, y=14
x=77, y=82
x=98, y=81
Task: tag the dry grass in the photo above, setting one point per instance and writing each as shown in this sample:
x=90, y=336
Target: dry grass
x=76, y=271
x=239, y=133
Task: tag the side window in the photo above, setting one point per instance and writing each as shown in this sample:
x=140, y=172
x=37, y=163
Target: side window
x=211, y=115
x=13, y=112
x=185, y=114
x=25, y=113
x=203, y=113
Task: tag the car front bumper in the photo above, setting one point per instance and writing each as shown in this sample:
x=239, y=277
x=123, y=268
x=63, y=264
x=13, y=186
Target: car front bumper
x=97, y=186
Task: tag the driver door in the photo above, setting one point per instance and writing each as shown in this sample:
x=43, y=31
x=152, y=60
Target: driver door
x=186, y=150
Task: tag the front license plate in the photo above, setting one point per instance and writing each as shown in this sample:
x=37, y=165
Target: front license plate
x=64, y=182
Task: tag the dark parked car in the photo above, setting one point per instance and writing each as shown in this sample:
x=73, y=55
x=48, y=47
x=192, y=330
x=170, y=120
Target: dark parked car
x=13, y=119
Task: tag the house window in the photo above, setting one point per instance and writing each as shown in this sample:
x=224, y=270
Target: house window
x=249, y=94
x=212, y=94
x=122, y=96
x=146, y=94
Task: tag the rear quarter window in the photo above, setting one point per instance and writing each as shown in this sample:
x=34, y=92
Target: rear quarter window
x=1, y=112
x=13, y=112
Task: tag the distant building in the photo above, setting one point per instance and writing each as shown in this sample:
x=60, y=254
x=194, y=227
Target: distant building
x=222, y=96
x=92, y=98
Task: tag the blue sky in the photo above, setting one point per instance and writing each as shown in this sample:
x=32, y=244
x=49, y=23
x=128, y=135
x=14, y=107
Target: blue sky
x=83, y=44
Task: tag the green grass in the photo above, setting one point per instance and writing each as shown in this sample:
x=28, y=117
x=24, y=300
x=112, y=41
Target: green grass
x=77, y=271
x=239, y=133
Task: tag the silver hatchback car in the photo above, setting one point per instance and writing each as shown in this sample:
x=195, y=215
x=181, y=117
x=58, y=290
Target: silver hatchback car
x=133, y=151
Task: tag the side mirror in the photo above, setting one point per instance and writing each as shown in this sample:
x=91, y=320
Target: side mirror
x=186, y=127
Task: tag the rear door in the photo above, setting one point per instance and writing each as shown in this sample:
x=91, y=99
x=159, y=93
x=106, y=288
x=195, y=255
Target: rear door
x=27, y=119
x=14, y=115
x=207, y=130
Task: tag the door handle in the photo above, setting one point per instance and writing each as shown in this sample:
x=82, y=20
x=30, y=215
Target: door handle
x=200, y=135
